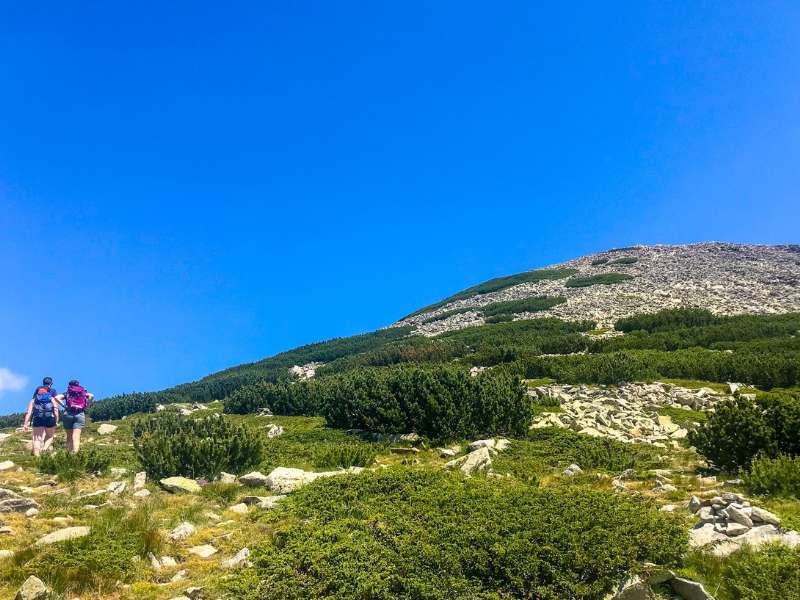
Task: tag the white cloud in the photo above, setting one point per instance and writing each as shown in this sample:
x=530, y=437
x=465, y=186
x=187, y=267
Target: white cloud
x=10, y=381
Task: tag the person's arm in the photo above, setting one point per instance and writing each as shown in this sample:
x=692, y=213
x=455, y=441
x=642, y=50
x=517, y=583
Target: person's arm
x=55, y=410
x=27, y=421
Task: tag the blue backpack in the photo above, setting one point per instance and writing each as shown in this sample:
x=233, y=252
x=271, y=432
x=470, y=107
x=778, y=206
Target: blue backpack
x=43, y=403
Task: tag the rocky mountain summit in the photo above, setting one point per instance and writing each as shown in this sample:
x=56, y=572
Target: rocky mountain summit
x=721, y=277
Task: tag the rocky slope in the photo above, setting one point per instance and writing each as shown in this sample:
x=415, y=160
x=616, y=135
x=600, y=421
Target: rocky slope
x=724, y=278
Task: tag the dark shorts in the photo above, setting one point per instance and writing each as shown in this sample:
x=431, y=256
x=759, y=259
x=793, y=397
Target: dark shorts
x=76, y=421
x=44, y=421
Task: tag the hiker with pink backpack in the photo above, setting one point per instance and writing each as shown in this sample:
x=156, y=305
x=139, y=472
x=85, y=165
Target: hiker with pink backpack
x=75, y=402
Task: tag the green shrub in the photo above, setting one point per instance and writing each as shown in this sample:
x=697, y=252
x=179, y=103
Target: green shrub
x=70, y=466
x=599, y=261
x=766, y=370
x=344, y=456
x=13, y=420
x=740, y=429
x=500, y=283
x=775, y=476
x=432, y=535
x=771, y=572
x=534, y=304
x=601, y=279
x=295, y=398
x=168, y=444
x=97, y=562
x=442, y=401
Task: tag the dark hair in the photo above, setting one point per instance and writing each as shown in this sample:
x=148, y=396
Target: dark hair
x=47, y=381
x=74, y=382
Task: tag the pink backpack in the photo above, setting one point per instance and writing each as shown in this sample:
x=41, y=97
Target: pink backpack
x=77, y=399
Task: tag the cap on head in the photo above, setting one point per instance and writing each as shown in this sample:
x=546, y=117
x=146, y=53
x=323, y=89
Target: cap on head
x=74, y=382
x=47, y=381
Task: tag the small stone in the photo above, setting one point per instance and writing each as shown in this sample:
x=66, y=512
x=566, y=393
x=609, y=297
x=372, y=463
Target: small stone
x=139, y=480
x=668, y=508
x=6, y=465
x=179, y=576
x=633, y=588
x=33, y=589
x=105, y=429
x=239, y=509
x=254, y=478
x=203, y=551
x=274, y=431
x=6, y=530
x=227, y=478
x=32, y=512
x=446, y=452
x=182, y=531
x=142, y=493
x=240, y=559
x=401, y=450
x=194, y=593
x=116, y=487
x=168, y=561
x=6, y=554
x=180, y=484
x=694, y=504
x=62, y=535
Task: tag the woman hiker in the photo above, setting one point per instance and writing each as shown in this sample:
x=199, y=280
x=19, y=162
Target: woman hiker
x=43, y=414
x=76, y=400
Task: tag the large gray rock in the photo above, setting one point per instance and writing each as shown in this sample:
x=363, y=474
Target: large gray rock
x=633, y=588
x=690, y=590
x=704, y=535
x=737, y=515
x=267, y=502
x=759, y=515
x=106, y=428
x=178, y=485
x=63, y=535
x=474, y=461
x=6, y=465
x=33, y=589
x=284, y=480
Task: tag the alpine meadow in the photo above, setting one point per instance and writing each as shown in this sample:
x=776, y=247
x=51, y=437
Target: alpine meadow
x=624, y=425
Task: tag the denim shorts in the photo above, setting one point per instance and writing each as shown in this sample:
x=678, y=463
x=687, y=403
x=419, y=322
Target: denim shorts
x=76, y=421
x=44, y=421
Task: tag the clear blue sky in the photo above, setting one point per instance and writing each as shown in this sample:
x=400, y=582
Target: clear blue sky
x=188, y=186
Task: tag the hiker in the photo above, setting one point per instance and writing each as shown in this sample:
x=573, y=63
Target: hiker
x=43, y=415
x=76, y=400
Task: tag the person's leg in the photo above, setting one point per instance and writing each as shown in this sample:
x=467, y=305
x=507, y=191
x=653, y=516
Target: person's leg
x=37, y=437
x=49, y=436
x=76, y=440
x=69, y=433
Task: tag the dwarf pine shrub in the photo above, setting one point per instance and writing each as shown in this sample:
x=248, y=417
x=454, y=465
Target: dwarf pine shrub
x=168, y=444
x=775, y=476
x=69, y=466
x=741, y=429
x=443, y=402
x=431, y=535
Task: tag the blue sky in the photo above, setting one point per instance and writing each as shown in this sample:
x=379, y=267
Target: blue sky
x=188, y=186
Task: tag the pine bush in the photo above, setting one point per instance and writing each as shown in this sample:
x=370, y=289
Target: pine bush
x=168, y=444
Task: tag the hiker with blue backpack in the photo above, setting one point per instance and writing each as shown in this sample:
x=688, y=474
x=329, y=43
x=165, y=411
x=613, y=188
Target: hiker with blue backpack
x=43, y=415
x=76, y=400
